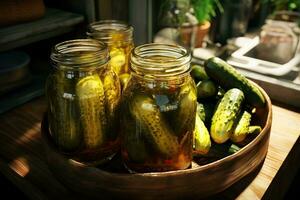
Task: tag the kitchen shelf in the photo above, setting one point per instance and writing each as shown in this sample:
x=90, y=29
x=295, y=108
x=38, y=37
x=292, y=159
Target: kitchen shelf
x=54, y=23
x=21, y=95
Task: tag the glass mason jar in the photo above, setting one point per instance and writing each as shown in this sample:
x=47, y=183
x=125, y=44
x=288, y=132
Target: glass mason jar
x=83, y=100
x=158, y=110
x=119, y=38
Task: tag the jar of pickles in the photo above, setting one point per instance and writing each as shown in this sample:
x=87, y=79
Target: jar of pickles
x=83, y=100
x=119, y=39
x=158, y=110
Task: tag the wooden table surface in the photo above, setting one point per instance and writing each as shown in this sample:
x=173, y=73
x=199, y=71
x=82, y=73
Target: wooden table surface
x=22, y=159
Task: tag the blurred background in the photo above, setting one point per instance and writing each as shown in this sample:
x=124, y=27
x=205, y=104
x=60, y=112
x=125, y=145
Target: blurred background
x=261, y=38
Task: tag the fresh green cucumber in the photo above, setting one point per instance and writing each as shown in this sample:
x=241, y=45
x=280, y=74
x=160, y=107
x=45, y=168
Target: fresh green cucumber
x=202, y=141
x=254, y=129
x=228, y=77
x=206, y=88
x=153, y=125
x=218, y=151
x=205, y=110
x=201, y=111
x=198, y=73
x=233, y=149
x=241, y=127
x=225, y=115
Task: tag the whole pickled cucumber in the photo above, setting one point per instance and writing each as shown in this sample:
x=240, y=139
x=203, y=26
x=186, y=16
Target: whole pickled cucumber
x=91, y=102
x=147, y=115
x=220, y=93
x=184, y=119
x=134, y=144
x=225, y=115
x=117, y=59
x=64, y=129
x=112, y=93
x=228, y=77
x=202, y=141
x=241, y=128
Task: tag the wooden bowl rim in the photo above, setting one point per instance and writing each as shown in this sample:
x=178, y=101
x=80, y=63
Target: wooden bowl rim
x=184, y=172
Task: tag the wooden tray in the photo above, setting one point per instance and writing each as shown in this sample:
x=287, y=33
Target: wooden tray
x=111, y=181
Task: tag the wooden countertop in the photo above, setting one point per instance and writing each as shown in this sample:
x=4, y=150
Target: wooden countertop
x=22, y=158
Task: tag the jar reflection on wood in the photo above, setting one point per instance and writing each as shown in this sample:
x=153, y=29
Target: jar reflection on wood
x=83, y=100
x=158, y=110
x=119, y=39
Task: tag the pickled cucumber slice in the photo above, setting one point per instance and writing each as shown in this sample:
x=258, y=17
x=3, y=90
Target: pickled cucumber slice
x=205, y=110
x=147, y=115
x=91, y=101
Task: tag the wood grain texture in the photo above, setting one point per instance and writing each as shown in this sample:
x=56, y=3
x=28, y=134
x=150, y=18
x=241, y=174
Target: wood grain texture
x=23, y=160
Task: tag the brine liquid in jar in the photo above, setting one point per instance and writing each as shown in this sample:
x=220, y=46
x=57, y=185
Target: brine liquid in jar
x=158, y=110
x=119, y=38
x=83, y=97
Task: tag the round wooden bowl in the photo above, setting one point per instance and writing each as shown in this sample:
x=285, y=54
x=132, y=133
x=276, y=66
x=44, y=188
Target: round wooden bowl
x=198, y=181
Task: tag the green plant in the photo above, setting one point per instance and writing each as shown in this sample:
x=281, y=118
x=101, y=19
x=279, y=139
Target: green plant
x=292, y=5
x=179, y=12
x=172, y=12
x=205, y=9
x=286, y=5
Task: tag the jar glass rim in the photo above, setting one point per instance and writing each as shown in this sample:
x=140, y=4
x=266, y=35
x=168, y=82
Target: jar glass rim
x=79, y=54
x=104, y=29
x=160, y=60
